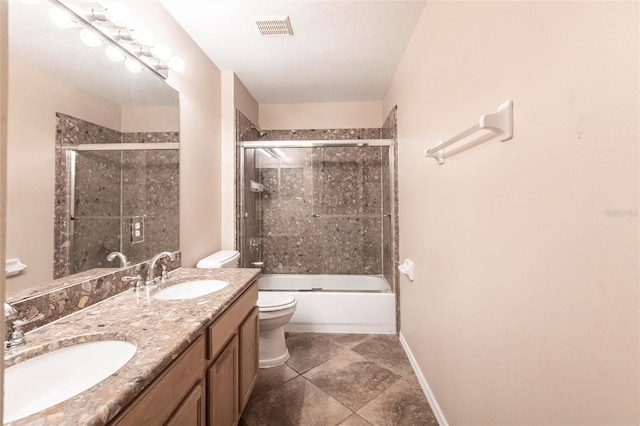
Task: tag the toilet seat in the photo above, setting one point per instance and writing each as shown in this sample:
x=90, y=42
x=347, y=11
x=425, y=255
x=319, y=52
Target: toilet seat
x=269, y=302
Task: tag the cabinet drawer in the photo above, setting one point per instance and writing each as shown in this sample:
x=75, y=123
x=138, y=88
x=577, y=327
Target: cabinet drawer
x=163, y=396
x=226, y=325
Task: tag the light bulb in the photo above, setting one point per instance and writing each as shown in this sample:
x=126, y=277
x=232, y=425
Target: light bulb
x=114, y=54
x=176, y=63
x=90, y=38
x=161, y=51
x=60, y=18
x=133, y=66
x=118, y=15
x=142, y=35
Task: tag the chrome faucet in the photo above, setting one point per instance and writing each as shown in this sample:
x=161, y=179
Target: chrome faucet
x=123, y=259
x=152, y=265
x=17, y=338
x=135, y=279
x=10, y=312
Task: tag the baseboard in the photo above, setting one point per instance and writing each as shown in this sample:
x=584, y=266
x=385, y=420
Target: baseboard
x=423, y=384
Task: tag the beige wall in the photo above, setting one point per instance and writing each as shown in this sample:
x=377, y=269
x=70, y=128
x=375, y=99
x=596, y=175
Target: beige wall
x=150, y=118
x=34, y=99
x=4, y=82
x=339, y=115
x=228, y=208
x=525, y=305
x=245, y=102
x=200, y=134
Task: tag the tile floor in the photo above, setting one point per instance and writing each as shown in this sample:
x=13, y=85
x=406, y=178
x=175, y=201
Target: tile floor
x=339, y=379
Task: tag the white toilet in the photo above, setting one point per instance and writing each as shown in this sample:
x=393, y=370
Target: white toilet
x=275, y=310
x=220, y=259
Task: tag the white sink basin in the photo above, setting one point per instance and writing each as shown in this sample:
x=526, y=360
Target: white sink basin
x=46, y=380
x=190, y=289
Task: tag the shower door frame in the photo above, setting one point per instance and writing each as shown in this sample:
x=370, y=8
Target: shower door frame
x=242, y=216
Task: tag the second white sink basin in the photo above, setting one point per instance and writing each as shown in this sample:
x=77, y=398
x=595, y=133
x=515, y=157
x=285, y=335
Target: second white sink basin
x=46, y=380
x=190, y=289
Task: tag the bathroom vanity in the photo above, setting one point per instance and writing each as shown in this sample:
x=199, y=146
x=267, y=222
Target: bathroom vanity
x=196, y=361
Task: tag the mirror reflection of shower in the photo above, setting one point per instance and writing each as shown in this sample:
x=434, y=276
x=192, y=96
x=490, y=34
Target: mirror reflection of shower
x=115, y=194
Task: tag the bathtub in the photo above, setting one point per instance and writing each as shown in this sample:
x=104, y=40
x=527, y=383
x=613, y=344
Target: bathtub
x=336, y=303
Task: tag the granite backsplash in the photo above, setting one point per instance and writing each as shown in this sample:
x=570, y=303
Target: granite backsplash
x=64, y=296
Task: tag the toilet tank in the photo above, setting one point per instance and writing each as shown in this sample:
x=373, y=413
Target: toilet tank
x=220, y=259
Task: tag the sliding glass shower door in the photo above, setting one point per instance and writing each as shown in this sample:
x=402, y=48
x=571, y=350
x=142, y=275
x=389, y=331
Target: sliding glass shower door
x=317, y=207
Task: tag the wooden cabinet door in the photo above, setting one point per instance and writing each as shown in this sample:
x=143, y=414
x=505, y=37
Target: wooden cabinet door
x=191, y=410
x=248, y=337
x=159, y=401
x=222, y=397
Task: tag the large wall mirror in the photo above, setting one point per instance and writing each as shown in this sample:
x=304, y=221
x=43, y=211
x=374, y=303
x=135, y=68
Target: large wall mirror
x=71, y=201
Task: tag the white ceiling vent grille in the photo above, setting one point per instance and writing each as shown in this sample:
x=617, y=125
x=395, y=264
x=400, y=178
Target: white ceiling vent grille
x=276, y=26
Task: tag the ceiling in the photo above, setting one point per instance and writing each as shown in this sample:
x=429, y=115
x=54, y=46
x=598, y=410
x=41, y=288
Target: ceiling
x=341, y=51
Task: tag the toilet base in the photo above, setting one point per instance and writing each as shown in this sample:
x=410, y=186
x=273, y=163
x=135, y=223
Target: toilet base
x=273, y=348
x=274, y=362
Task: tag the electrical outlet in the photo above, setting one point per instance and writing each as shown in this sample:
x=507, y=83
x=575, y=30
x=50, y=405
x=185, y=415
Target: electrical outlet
x=137, y=229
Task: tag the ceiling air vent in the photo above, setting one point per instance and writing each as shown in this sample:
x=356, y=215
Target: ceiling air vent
x=274, y=26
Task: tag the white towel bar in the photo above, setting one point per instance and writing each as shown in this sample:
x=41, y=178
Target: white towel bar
x=499, y=122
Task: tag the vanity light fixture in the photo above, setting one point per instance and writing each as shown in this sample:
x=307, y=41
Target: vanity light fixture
x=161, y=51
x=60, y=18
x=114, y=14
x=114, y=54
x=142, y=36
x=110, y=24
x=90, y=38
x=132, y=66
x=176, y=63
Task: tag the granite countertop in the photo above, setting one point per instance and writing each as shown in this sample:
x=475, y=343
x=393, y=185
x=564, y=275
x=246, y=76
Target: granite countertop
x=160, y=329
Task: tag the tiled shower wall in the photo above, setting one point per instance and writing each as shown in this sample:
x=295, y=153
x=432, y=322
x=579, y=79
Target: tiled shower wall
x=323, y=210
x=111, y=187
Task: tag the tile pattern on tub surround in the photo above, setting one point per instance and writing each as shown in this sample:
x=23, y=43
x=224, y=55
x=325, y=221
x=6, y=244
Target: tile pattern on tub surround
x=141, y=183
x=319, y=134
x=357, y=380
x=321, y=209
x=72, y=293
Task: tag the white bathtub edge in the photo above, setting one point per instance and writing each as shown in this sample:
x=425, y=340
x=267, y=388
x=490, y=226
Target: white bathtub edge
x=437, y=411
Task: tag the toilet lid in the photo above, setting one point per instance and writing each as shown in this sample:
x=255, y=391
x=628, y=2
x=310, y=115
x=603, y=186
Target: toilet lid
x=268, y=301
x=217, y=259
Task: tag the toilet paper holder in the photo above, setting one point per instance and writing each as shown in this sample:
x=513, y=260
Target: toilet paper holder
x=408, y=269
